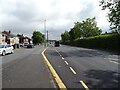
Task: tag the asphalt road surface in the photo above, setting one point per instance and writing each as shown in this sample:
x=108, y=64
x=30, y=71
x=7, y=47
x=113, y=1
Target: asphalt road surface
x=26, y=69
x=80, y=67
x=76, y=67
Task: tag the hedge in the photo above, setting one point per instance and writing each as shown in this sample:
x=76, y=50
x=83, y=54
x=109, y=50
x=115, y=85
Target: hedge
x=108, y=41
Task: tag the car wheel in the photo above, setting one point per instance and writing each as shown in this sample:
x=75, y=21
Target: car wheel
x=3, y=53
x=12, y=51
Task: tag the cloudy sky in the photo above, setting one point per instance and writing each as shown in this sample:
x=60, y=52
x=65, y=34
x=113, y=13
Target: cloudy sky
x=25, y=16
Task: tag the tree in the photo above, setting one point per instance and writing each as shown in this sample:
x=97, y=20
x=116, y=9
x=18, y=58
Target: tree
x=114, y=13
x=86, y=28
x=37, y=37
x=65, y=36
x=77, y=31
x=89, y=28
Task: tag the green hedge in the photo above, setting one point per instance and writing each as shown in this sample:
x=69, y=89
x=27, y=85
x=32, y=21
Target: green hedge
x=109, y=42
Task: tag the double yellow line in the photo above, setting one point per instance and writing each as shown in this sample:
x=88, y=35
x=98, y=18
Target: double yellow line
x=55, y=75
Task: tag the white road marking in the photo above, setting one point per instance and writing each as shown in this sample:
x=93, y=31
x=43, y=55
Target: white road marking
x=66, y=62
x=114, y=62
x=63, y=58
x=73, y=70
x=111, y=59
x=58, y=52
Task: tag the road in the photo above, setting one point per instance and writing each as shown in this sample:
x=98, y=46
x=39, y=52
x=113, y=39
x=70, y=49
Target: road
x=26, y=69
x=80, y=67
x=77, y=68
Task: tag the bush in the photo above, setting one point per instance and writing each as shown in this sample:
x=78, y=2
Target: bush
x=108, y=41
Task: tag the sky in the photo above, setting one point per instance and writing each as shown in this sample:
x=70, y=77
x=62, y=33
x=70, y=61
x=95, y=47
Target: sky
x=26, y=16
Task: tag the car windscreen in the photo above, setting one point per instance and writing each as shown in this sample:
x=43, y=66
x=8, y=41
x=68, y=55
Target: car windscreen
x=1, y=46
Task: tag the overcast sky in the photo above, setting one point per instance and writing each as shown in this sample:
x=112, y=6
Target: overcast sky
x=25, y=16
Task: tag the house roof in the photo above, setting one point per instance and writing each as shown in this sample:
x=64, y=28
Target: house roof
x=24, y=37
x=9, y=34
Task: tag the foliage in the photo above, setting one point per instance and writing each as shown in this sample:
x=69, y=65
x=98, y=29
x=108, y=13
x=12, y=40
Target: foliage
x=65, y=36
x=107, y=41
x=114, y=13
x=37, y=37
x=83, y=29
x=89, y=28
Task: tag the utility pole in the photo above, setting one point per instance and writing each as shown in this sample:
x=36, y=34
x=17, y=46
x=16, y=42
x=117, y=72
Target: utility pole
x=47, y=38
x=45, y=32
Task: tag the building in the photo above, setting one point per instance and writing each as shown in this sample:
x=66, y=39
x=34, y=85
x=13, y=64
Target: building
x=23, y=39
x=2, y=38
x=10, y=38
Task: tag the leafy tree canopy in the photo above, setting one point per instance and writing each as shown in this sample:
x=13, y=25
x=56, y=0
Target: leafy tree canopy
x=86, y=28
x=37, y=37
x=114, y=13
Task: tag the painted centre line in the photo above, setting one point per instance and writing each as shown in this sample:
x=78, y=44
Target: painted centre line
x=73, y=70
x=84, y=85
x=66, y=62
x=63, y=58
x=58, y=52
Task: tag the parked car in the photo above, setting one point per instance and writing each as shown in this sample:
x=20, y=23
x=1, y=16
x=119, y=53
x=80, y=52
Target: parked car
x=26, y=44
x=57, y=43
x=30, y=45
x=21, y=45
x=16, y=45
x=5, y=49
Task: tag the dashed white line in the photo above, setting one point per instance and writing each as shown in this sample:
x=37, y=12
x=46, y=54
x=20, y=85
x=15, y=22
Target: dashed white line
x=58, y=52
x=73, y=70
x=66, y=62
x=63, y=58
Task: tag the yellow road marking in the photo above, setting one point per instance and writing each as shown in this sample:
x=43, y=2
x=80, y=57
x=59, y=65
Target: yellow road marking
x=73, y=70
x=84, y=85
x=57, y=78
x=66, y=62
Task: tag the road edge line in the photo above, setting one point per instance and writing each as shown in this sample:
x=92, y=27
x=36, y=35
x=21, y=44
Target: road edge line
x=55, y=75
x=84, y=85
